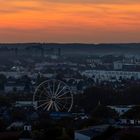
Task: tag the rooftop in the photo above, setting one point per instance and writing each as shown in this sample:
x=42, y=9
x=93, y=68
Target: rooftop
x=93, y=131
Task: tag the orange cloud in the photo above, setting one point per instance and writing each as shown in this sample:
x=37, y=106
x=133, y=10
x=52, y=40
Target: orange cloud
x=32, y=20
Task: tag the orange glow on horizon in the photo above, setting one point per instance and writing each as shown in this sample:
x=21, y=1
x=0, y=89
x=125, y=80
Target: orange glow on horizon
x=69, y=22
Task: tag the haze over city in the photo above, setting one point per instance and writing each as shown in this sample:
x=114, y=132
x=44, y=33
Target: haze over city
x=70, y=69
x=84, y=21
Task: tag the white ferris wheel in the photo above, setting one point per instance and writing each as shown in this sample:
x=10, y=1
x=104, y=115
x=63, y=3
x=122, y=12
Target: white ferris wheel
x=53, y=95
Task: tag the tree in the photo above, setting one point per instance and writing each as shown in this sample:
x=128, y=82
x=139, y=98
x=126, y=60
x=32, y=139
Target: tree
x=18, y=114
x=2, y=124
x=40, y=79
x=107, y=134
x=133, y=113
x=103, y=112
x=5, y=101
x=3, y=80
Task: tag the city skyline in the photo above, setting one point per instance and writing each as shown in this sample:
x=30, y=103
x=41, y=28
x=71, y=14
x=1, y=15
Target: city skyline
x=83, y=21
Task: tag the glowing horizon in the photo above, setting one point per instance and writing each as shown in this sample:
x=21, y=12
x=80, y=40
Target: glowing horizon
x=72, y=21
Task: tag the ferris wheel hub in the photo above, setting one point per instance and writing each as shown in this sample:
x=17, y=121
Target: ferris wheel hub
x=53, y=99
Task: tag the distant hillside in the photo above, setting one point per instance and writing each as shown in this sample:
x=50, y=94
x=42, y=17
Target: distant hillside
x=78, y=49
x=132, y=48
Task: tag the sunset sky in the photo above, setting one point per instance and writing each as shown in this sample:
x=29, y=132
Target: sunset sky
x=87, y=21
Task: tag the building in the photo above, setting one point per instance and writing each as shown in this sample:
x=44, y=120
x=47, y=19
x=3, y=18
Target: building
x=26, y=134
x=128, y=122
x=90, y=133
x=59, y=115
x=26, y=104
x=117, y=65
x=15, y=125
x=107, y=75
x=121, y=109
x=14, y=87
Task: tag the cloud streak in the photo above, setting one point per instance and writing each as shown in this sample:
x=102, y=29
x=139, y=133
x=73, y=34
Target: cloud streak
x=70, y=21
x=94, y=1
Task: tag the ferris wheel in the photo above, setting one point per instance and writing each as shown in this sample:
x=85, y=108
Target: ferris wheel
x=53, y=95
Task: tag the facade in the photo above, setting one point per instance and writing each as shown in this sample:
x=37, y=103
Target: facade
x=108, y=75
x=25, y=104
x=129, y=122
x=90, y=133
x=15, y=125
x=15, y=74
x=121, y=109
x=14, y=87
x=79, y=136
x=118, y=65
x=26, y=134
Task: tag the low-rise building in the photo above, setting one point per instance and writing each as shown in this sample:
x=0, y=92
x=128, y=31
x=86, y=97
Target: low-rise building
x=26, y=104
x=90, y=133
x=108, y=75
x=121, y=109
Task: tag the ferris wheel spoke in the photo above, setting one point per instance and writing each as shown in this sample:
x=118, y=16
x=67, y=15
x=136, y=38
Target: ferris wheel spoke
x=62, y=102
x=50, y=89
x=50, y=105
x=48, y=95
x=60, y=105
x=64, y=107
x=60, y=91
x=60, y=95
x=46, y=105
x=58, y=87
x=41, y=105
x=55, y=106
x=41, y=92
x=53, y=87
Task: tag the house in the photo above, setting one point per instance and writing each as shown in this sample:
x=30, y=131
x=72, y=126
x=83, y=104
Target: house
x=127, y=133
x=118, y=65
x=59, y=115
x=33, y=116
x=10, y=87
x=15, y=125
x=26, y=104
x=90, y=133
x=121, y=109
x=128, y=122
x=26, y=134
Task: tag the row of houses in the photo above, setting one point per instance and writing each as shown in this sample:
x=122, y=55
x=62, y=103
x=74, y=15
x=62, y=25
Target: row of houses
x=108, y=75
x=96, y=131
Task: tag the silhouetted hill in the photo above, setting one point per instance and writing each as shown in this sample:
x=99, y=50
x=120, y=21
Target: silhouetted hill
x=78, y=48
